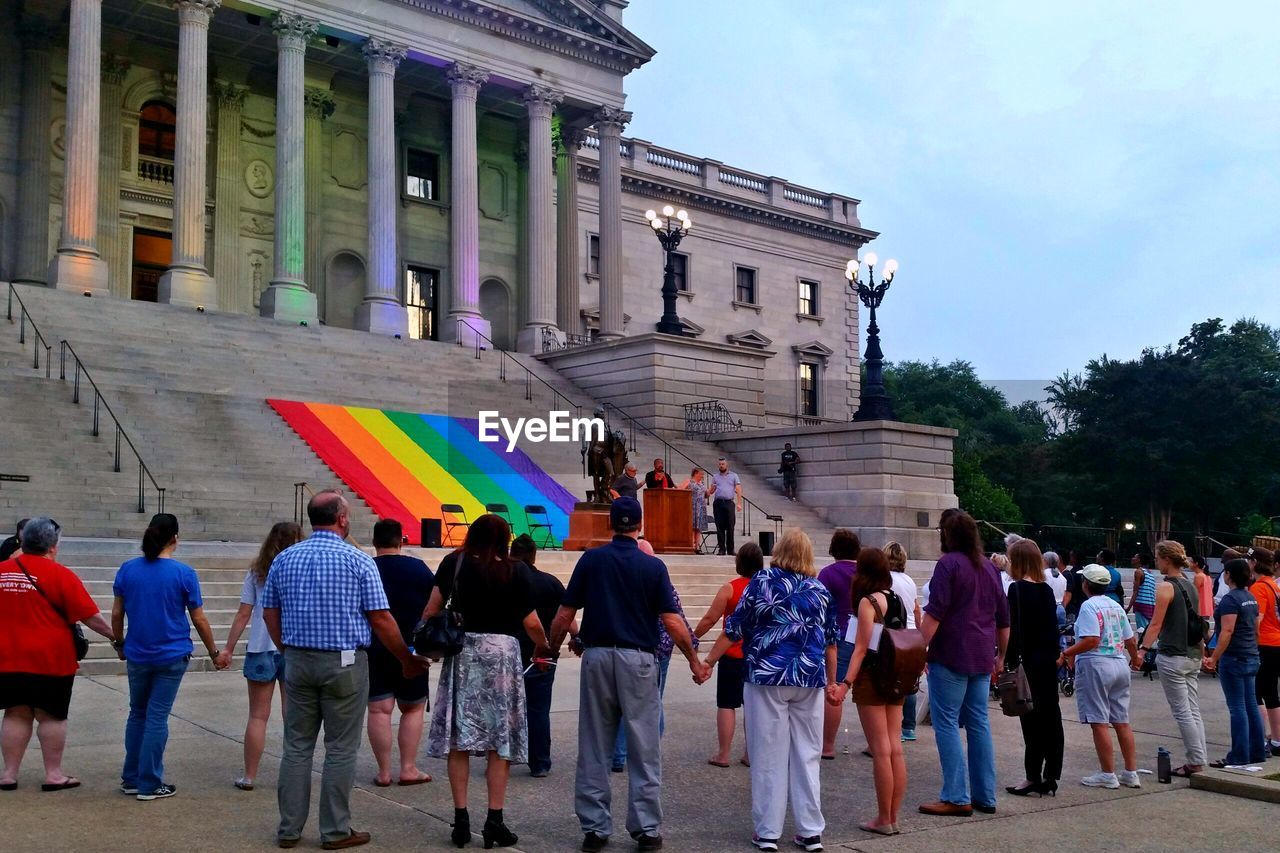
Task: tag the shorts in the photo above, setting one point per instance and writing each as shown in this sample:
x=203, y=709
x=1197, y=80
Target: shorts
x=789, y=478
x=387, y=681
x=731, y=673
x=844, y=654
x=1102, y=689
x=264, y=667
x=48, y=693
x=864, y=691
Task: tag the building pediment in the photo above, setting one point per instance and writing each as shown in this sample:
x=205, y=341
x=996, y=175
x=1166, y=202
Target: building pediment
x=750, y=338
x=813, y=351
x=692, y=329
x=592, y=317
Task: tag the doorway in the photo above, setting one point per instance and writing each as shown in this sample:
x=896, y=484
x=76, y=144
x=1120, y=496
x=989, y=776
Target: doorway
x=152, y=254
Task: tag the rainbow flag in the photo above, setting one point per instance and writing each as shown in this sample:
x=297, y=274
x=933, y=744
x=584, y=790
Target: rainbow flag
x=406, y=465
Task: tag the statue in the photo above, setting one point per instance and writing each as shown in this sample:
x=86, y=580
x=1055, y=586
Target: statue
x=604, y=458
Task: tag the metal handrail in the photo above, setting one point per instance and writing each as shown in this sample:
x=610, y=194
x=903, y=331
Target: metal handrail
x=24, y=317
x=635, y=425
x=100, y=402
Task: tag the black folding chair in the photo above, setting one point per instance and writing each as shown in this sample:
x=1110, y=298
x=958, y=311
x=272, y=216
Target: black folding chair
x=455, y=510
x=531, y=513
x=501, y=510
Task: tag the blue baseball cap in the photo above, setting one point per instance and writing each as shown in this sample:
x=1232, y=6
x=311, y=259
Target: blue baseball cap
x=624, y=512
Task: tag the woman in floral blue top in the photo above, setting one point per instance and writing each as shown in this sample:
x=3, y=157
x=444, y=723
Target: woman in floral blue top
x=786, y=621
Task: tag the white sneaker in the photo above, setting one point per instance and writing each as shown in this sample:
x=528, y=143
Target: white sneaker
x=1101, y=780
x=1129, y=778
x=767, y=844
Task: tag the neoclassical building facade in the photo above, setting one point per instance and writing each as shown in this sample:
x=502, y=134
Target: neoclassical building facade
x=423, y=168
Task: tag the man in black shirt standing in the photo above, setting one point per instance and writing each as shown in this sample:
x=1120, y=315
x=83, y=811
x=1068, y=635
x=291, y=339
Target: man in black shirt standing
x=658, y=478
x=789, y=469
x=407, y=582
x=548, y=594
x=13, y=544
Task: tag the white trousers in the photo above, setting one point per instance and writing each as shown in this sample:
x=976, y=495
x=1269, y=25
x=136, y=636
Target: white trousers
x=784, y=738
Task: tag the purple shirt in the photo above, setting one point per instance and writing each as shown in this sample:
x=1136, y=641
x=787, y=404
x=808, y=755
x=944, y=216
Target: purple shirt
x=970, y=606
x=838, y=579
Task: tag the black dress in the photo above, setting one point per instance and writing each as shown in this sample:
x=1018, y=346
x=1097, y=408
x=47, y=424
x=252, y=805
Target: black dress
x=1033, y=642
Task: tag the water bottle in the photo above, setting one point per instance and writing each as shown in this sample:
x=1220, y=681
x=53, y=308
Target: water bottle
x=1164, y=766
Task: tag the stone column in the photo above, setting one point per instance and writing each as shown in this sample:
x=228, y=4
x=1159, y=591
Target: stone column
x=609, y=124
x=187, y=281
x=568, y=254
x=288, y=298
x=318, y=105
x=464, y=207
x=114, y=69
x=540, y=221
x=77, y=265
x=32, y=266
x=228, y=178
x=381, y=311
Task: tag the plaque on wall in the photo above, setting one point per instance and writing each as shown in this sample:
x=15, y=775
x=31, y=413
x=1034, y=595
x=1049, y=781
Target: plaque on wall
x=493, y=191
x=259, y=178
x=349, y=161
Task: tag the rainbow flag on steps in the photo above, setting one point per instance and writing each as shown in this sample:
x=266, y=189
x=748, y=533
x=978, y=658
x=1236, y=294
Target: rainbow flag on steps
x=406, y=465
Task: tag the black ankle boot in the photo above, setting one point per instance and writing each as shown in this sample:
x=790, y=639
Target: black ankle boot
x=495, y=832
x=461, y=835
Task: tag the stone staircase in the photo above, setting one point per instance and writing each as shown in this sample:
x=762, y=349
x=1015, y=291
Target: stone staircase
x=221, y=567
x=190, y=390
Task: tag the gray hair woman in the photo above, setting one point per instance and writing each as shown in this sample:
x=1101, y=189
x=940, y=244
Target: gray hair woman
x=1057, y=581
x=39, y=602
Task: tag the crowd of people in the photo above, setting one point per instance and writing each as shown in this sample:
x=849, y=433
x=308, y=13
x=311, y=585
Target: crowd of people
x=334, y=629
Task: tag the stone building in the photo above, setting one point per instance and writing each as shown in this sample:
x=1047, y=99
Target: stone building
x=423, y=168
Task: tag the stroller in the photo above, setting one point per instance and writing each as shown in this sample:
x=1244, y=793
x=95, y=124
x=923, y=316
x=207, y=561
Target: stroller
x=1066, y=639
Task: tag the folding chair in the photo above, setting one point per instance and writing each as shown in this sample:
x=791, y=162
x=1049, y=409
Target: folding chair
x=457, y=511
x=530, y=512
x=499, y=509
x=708, y=532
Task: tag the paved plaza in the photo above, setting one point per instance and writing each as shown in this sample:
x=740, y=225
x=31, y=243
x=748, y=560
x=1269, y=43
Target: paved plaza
x=707, y=809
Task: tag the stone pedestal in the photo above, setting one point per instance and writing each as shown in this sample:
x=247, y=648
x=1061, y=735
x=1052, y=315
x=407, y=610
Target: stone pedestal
x=886, y=480
x=588, y=527
x=382, y=318
x=652, y=376
x=289, y=303
x=80, y=272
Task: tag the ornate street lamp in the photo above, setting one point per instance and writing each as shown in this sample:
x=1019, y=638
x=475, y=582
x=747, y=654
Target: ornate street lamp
x=873, y=402
x=670, y=228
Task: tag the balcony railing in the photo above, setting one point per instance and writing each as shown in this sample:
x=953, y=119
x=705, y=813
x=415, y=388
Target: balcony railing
x=155, y=170
x=707, y=418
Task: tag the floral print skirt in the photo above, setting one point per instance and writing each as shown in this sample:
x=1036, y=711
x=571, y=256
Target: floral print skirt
x=480, y=701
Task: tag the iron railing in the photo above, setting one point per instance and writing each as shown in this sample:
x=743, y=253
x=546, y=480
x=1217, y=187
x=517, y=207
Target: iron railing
x=100, y=403
x=634, y=427
x=299, y=501
x=705, y=418
x=554, y=342
x=25, y=319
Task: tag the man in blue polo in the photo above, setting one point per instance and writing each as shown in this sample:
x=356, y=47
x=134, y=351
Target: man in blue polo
x=624, y=593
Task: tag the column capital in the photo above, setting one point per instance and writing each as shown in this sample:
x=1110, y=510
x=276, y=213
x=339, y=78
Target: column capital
x=611, y=119
x=293, y=31
x=541, y=101
x=569, y=139
x=114, y=68
x=383, y=56
x=318, y=103
x=230, y=95
x=197, y=11
x=466, y=79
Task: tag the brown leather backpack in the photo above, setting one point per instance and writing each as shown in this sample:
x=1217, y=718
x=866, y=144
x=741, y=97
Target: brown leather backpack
x=900, y=658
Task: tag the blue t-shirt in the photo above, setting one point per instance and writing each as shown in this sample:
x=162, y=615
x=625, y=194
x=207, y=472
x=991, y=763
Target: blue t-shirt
x=622, y=591
x=1244, y=639
x=407, y=582
x=157, y=596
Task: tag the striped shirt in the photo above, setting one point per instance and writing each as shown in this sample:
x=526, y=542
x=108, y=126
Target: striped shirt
x=323, y=588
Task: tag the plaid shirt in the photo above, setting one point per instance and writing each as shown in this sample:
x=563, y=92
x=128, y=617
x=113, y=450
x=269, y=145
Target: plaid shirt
x=323, y=588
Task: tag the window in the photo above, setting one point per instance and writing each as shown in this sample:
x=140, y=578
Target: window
x=593, y=254
x=808, y=297
x=808, y=390
x=745, y=289
x=421, y=175
x=420, y=286
x=680, y=265
x=157, y=130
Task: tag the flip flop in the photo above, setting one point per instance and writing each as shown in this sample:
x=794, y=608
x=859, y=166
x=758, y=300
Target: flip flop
x=8, y=786
x=1218, y=765
x=1183, y=773
x=744, y=762
x=405, y=783
x=65, y=785
x=715, y=763
x=828, y=758
x=243, y=784
x=381, y=784
x=877, y=828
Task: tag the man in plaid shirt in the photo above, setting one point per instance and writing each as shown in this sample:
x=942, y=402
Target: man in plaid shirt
x=322, y=602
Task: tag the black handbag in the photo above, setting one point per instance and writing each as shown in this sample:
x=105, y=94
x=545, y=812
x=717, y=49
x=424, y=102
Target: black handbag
x=77, y=633
x=1011, y=685
x=442, y=635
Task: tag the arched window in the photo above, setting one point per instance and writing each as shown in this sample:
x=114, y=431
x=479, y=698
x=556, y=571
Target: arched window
x=156, y=130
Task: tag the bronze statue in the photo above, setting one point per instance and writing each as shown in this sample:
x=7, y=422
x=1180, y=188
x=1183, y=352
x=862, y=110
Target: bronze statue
x=605, y=458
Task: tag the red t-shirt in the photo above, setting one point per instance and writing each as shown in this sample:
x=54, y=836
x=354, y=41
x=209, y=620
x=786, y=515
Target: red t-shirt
x=34, y=638
x=739, y=586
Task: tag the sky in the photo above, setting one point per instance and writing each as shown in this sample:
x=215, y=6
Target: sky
x=1057, y=181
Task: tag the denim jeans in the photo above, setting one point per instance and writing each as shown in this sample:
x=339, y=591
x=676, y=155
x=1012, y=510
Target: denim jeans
x=152, y=690
x=909, y=713
x=1237, y=676
x=955, y=700
x=620, y=742
x=537, y=699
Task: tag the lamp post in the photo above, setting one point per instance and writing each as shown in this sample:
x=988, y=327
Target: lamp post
x=873, y=400
x=670, y=228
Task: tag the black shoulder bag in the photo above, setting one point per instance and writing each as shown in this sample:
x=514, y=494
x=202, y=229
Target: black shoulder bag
x=1197, y=625
x=442, y=635
x=1011, y=685
x=77, y=633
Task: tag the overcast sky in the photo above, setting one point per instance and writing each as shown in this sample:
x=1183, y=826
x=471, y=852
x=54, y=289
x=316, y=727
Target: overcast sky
x=1056, y=180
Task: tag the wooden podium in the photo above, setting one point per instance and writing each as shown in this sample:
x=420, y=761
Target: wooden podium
x=668, y=521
